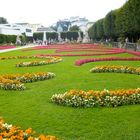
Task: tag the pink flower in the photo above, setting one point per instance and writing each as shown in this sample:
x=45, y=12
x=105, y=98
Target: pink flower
x=6, y=47
x=88, y=60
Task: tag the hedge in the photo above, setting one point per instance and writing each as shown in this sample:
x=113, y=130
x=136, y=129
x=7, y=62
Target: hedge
x=7, y=38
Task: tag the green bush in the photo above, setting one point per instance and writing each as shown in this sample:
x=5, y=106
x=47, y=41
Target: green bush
x=7, y=38
x=124, y=21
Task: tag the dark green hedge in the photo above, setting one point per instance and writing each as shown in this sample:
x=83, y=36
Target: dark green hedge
x=38, y=36
x=71, y=35
x=123, y=22
x=7, y=38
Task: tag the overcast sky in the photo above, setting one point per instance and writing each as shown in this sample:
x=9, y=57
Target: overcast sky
x=47, y=12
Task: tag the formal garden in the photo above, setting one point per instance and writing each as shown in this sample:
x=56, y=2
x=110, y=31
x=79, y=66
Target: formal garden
x=70, y=92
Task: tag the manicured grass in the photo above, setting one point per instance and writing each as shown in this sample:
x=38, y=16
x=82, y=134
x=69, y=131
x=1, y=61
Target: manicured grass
x=33, y=107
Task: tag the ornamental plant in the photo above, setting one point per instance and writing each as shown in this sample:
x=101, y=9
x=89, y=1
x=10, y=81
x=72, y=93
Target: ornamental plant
x=91, y=98
x=7, y=47
x=51, y=60
x=88, y=60
x=117, y=69
x=10, y=132
x=16, y=81
x=90, y=54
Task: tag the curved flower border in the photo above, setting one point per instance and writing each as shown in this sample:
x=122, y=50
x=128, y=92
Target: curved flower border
x=90, y=54
x=7, y=47
x=50, y=60
x=88, y=60
x=116, y=69
x=15, y=81
x=112, y=98
x=10, y=132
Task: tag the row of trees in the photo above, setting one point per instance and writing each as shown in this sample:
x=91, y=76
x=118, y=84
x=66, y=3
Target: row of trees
x=71, y=35
x=49, y=35
x=121, y=23
x=7, y=39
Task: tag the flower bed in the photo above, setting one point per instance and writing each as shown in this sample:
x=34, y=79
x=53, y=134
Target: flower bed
x=112, y=98
x=133, y=52
x=117, y=69
x=51, y=60
x=88, y=60
x=7, y=47
x=15, y=81
x=10, y=132
x=90, y=54
x=93, y=49
x=25, y=57
x=18, y=57
x=86, y=50
x=61, y=46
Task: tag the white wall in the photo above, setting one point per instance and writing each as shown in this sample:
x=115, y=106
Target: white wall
x=8, y=31
x=13, y=29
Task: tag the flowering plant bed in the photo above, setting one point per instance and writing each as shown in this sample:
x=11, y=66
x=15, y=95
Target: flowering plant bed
x=19, y=57
x=15, y=81
x=88, y=60
x=62, y=46
x=10, y=132
x=133, y=52
x=117, y=69
x=90, y=54
x=51, y=60
x=87, y=50
x=6, y=47
x=25, y=57
x=91, y=98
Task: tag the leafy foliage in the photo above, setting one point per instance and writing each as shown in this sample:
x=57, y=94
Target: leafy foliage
x=123, y=22
x=7, y=38
x=3, y=20
x=74, y=28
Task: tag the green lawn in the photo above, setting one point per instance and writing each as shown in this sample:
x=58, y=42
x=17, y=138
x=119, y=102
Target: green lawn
x=33, y=107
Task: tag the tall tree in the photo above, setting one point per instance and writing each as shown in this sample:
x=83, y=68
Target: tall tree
x=74, y=28
x=109, y=24
x=3, y=20
x=100, y=29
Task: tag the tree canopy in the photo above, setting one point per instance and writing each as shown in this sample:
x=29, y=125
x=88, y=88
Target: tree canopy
x=3, y=20
x=122, y=22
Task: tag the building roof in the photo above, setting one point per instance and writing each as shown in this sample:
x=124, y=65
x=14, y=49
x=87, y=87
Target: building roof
x=45, y=29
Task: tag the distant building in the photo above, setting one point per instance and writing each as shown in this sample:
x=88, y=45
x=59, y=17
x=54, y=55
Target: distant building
x=45, y=29
x=60, y=29
x=80, y=22
x=15, y=29
x=35, y=27
x=65, y=24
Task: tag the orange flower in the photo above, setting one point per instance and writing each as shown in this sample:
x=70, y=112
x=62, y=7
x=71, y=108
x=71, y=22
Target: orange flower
x=28, y=131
